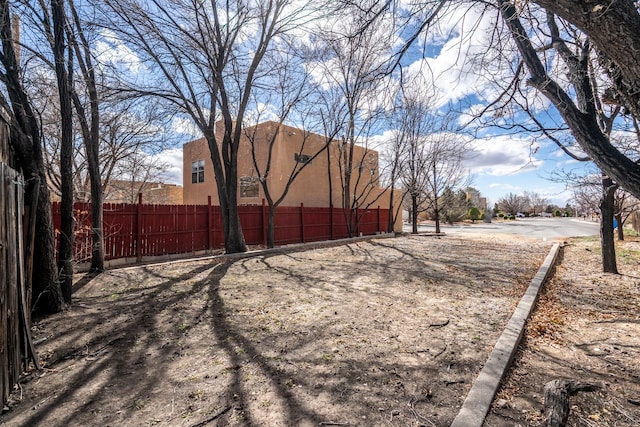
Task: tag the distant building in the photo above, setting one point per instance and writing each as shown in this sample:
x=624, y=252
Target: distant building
x=312, y=187
x=156, y=193
x=123, y=191
x=476, y=199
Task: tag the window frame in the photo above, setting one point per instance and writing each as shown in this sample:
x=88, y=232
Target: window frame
x=197, y=172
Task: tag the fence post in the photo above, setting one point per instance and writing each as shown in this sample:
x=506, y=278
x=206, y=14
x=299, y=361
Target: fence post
x=378, y=218
x=331, y=221
x=264, y=224
x=302, y=222
x=209, y=224
x=357, y=223
x=139, y=229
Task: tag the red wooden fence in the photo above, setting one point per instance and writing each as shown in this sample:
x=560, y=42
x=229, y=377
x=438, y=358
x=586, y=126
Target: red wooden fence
x=140, y=230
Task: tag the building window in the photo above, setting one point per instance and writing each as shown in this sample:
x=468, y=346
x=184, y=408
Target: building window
x=249, y=186
x=302, y=158
x=197, y=171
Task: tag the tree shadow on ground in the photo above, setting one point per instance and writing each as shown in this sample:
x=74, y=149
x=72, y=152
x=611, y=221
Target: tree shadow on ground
x=339, y=379
x=126, y=361
x=108, y=356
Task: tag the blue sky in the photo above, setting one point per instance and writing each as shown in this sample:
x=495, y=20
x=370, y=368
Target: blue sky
x=458, y=66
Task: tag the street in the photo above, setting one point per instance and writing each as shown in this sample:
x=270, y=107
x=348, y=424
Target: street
x=544, y=228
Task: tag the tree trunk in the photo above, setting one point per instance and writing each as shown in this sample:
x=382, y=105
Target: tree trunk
x=91, y=138
x=234, y=239
x=65, y=251
x=436, y=209
x=390, y=221
x=414, y=214
x=227, y=186
x=606, y=227
x=271, y=227
x=615, y=31
x=46, y=294
x=583, y=125
x=97, y=219
x=556, y=400
x=618, y=218
x=27, y=144
x=329, y=176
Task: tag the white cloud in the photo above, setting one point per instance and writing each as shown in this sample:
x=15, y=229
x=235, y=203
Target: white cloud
x=185, y=126
x=506, y=187
x=464, y=65
x=502, y=155
x=172, y=159
x=261, y=113
x=111, y=50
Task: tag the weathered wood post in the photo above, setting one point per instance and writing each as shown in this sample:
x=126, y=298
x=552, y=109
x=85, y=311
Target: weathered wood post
x=302, y=222
x=139, y=229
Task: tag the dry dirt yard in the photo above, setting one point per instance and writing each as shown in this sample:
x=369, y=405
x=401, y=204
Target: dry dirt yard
x=388, y=332
x=586, y=329
x=385, y=332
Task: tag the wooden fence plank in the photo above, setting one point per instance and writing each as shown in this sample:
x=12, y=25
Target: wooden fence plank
x=139, y=230
x=12, y=278
x=4, y=291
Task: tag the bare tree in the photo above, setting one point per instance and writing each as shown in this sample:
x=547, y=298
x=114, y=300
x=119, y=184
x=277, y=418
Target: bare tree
x=580, y=116
x=47, y=25
x=512, y=203
x=612, y=28
x=445, y=170
x=285, y=98
x=536, y=202
x=414, y=122
x=351, y=67
x=208, y=57
x=625, y=204
x=90, y=126
x=587, y=193
x=26, y=140
x=56, y=32
x=390, y=175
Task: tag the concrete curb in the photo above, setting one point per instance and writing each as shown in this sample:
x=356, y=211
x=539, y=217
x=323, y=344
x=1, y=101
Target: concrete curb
x=478, y=402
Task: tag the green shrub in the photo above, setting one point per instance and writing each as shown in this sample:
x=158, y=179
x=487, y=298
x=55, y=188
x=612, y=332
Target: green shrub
x=474, y=214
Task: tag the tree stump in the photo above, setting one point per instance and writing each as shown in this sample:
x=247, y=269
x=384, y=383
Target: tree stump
x=556, y=400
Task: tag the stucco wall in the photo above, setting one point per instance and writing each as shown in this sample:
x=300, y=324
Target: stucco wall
x=312, y=185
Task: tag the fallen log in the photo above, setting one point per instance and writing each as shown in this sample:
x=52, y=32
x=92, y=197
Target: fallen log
x=556, y=400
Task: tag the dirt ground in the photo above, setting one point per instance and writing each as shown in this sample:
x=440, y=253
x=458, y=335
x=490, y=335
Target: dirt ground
x=390, y=332
x=586, y=329
x=387, y=332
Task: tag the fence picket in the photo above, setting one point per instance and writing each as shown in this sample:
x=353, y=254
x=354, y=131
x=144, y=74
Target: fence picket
x=140, y=230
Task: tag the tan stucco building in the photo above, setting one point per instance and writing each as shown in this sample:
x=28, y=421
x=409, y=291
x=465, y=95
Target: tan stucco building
x=291, y=148
x=123, y=191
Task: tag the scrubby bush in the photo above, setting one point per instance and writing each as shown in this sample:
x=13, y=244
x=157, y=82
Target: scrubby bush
x=474, y=214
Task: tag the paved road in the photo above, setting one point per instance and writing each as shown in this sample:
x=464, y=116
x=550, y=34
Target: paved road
x=544, y=228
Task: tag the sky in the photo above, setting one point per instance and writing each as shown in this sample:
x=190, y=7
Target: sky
x=499, y=162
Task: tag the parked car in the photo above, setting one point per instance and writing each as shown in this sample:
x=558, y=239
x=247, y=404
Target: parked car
x=519, y=215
